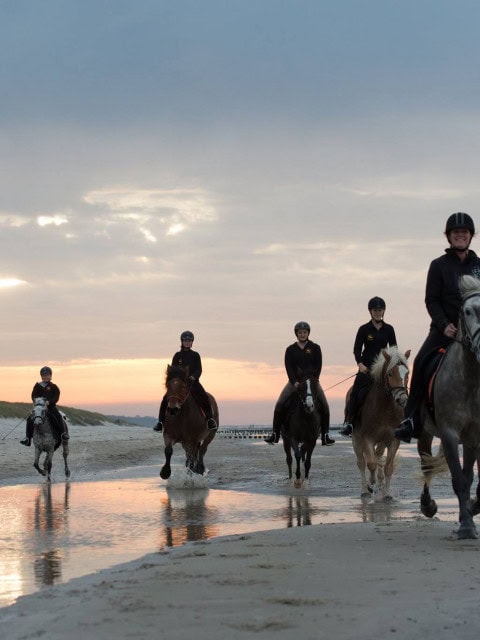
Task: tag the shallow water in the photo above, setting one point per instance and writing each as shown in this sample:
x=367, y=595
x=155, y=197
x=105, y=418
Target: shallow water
x=51, y=534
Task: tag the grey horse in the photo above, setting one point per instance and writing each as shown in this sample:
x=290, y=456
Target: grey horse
x=44, y=440
x=453, y=414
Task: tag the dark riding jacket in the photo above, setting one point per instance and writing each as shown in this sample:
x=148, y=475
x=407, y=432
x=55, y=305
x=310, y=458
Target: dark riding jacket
x=191, y=359
x=306, y=361
x=370, y=341
x=47, y=390
x=442, y=295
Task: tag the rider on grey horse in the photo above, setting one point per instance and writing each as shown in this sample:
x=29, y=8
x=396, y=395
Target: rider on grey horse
x=443, y=302
x=306, y=357
x=48, y=390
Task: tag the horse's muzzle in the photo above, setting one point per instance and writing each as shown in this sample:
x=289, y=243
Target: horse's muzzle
x=172, y=411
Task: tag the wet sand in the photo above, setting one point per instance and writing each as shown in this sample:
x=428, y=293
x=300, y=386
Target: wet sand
x=400, y=579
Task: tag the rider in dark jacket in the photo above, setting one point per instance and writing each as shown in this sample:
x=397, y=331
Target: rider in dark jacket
x=371, y=338
x=302, y=356
x=48, y=390
x=443, y=302
x=186, y=357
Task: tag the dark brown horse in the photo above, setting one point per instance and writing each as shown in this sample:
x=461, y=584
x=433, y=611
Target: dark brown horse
x=373, y=430
x=301, y=429
x=185, y=423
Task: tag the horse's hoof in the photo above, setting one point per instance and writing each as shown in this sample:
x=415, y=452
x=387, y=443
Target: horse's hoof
x=475, y=507
x=429, y=510
x=297, y=484
x=67, y=473
x=365, y=495
x=388, y=499
x=165, y=473
x=467, y=532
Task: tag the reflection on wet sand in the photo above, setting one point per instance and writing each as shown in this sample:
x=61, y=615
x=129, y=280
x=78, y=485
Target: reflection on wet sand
x=50, y=521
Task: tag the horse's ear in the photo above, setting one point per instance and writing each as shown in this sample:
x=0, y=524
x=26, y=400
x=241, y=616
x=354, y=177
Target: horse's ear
x=407, y=354
x=168, y=368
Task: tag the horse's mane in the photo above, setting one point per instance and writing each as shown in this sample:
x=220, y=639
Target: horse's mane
x=396, y=358
x=468, y=285
x=175, y=371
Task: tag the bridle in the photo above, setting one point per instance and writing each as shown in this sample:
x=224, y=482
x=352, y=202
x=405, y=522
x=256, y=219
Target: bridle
x=173, y=396
x=467, y=339
x=39, y=403
x=307, y=399
x=394, y=391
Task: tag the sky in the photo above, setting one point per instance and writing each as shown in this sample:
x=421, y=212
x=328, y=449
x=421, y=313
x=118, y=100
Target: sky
x=229, y=167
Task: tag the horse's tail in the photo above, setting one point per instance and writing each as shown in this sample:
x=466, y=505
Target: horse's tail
x=434, y=465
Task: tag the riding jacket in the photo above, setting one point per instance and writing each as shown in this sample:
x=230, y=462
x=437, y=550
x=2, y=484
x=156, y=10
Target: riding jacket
x=370, y=341
x=306, y=361
x=47, y=390
x=442, y=295
x=191, y=359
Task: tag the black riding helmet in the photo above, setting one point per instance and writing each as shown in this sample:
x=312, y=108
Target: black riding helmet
x=302, y=325
x=459, y=221
x=376, y=303
x=187, y=335
x=45, y=371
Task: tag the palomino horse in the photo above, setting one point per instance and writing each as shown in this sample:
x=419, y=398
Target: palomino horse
x=454, y=413
x=44, y=439
x=382, y=410
x=185, y=423
x=301, y=429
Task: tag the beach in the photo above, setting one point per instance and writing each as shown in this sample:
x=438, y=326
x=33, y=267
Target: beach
x=395, y=578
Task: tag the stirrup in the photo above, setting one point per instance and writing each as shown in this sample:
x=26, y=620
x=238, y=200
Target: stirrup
x=211, y=424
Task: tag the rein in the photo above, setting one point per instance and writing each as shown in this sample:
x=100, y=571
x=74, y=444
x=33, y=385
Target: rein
x=467, y=339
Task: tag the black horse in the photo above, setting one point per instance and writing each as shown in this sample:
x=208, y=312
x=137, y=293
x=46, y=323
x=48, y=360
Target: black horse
x=301, y=429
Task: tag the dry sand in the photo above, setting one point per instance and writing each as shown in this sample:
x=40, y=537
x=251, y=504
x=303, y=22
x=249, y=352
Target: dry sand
x=401, y=579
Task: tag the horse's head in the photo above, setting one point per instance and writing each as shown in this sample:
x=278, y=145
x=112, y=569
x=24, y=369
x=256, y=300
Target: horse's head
x=390, y=369
x=39, y=411
x=178, y=388
x=305, y=391
x=469, y=325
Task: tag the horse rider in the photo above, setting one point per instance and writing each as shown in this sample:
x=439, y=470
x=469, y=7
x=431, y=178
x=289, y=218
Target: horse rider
x=371, y=338
x=443, y=302
x=48, y=390
x=303, y=357
x=186, y=357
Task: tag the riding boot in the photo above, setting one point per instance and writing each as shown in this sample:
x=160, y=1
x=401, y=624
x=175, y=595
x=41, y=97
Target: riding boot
x=28, y=433
x=347, y=429
x=158, y=426
x=409, y=428
x=277, y=425
x=211, y=423
x=327, y=441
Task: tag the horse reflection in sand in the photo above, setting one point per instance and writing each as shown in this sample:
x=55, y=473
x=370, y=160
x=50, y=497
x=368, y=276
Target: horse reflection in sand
x=301, y=429
x=185, y=423
x=373, y=431
x=45, y=441
x=453, y=413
